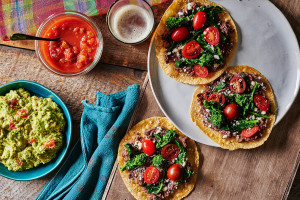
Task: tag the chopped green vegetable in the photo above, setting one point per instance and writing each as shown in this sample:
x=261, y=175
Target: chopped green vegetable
x=243, y=124
x=245, y=101
x=158, y=161
x=136, y=161
x=129, y=149
x=206, y=59
x=165, y=139
x=181, y=155
x=259, y=115
x=155, y=189
x=174, y=22
x=217, y=117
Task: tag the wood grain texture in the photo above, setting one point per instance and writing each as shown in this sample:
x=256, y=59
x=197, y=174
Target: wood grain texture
x=115, y=52
x=261, y=173
x=18, y=64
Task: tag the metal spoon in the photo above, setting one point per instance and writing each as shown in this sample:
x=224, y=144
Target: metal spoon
x=21, y=36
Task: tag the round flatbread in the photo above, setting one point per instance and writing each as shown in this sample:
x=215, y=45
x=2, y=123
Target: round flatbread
x=191, y=151
x=231, y=143
x=169, y=68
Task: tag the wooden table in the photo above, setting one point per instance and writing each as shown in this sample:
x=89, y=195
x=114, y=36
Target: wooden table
x=221, y=175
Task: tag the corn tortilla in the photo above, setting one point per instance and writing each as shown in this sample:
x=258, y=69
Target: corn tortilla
x=231, y=143
x=169, y=68
x=192, y=156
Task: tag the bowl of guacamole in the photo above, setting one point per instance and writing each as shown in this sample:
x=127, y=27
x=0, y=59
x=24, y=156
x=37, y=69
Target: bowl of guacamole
x=35, y=130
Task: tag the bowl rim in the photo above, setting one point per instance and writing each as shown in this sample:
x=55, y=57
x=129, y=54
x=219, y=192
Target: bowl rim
x=91, y=22
x=130, y=43
x=67, y=141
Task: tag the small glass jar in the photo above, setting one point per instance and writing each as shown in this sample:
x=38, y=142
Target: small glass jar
x=50, y=21
x=135, y=13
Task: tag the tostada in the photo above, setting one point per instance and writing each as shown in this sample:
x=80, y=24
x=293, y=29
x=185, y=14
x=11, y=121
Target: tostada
x=195, y=41
x=156, y=161
x=237, y=110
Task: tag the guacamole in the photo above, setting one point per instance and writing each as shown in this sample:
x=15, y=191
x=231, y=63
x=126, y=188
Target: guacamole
x=30, y=130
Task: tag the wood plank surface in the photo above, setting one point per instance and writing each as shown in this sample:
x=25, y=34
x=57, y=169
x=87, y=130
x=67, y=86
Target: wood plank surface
x=18, y=64
x=261, y=173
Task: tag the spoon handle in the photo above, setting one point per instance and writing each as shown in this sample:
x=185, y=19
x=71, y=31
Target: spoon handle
x=21, y=36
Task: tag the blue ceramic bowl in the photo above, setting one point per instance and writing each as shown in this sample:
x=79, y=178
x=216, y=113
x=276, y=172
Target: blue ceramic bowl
x=42, y=170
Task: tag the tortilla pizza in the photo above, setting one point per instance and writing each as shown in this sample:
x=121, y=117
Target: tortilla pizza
x=237, y=110
x=156, y=161
x=195, y=41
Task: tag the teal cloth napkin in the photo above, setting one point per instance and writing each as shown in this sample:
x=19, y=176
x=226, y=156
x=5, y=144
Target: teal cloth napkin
x=85, y=172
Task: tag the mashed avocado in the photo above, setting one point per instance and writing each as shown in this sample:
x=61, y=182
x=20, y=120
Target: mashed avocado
x=30, y=130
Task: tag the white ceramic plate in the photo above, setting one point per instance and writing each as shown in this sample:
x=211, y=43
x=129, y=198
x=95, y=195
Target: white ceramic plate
x=266, y=42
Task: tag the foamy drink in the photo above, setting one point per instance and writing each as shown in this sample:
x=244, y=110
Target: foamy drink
x=131, y=23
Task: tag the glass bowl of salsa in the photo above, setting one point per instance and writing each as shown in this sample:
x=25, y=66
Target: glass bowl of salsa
x=79, y=48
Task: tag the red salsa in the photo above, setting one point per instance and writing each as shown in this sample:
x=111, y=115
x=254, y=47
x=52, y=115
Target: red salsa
x=77, y=46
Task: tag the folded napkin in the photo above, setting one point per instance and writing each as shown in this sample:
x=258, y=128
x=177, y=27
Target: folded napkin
x=85, y=172
x=25, y=16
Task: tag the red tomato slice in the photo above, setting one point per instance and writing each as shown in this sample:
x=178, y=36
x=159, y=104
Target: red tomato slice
x=217, y=97
x=199, y=20
x=261, y=102
x=151, y=175
x=148, y=147
x=32, y=140
x=237, y=84
x=191, y=50
x=211, y=35
x=232, y=111
x=50, y=143
x=170, y=151
x=250, y=131
x=180, y=34
x=175, y=172
x=200, y=71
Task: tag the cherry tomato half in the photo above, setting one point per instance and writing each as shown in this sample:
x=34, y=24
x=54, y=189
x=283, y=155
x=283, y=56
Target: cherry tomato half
x=261, y=102
x=148, y=147
x=211, y=35
x=250, y=131
x=200, y=71
x=175, y=172
x=217, y=97
x=237, y=84
x=170, y=151
x=232, y=111
x=151, y=175
x=180, y=34
x=199, y=20
x=191, y=50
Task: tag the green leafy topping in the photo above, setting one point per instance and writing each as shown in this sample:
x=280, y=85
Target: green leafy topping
x=217, y=117
x=243, y=124
x=165, y=139
x=155, y=189
x=259, y=115
x=181, y=155
x=129, y=149
x=173, y=22
x=158, y=161
x=136, y=161
x=211, y=12
x=245, y=101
